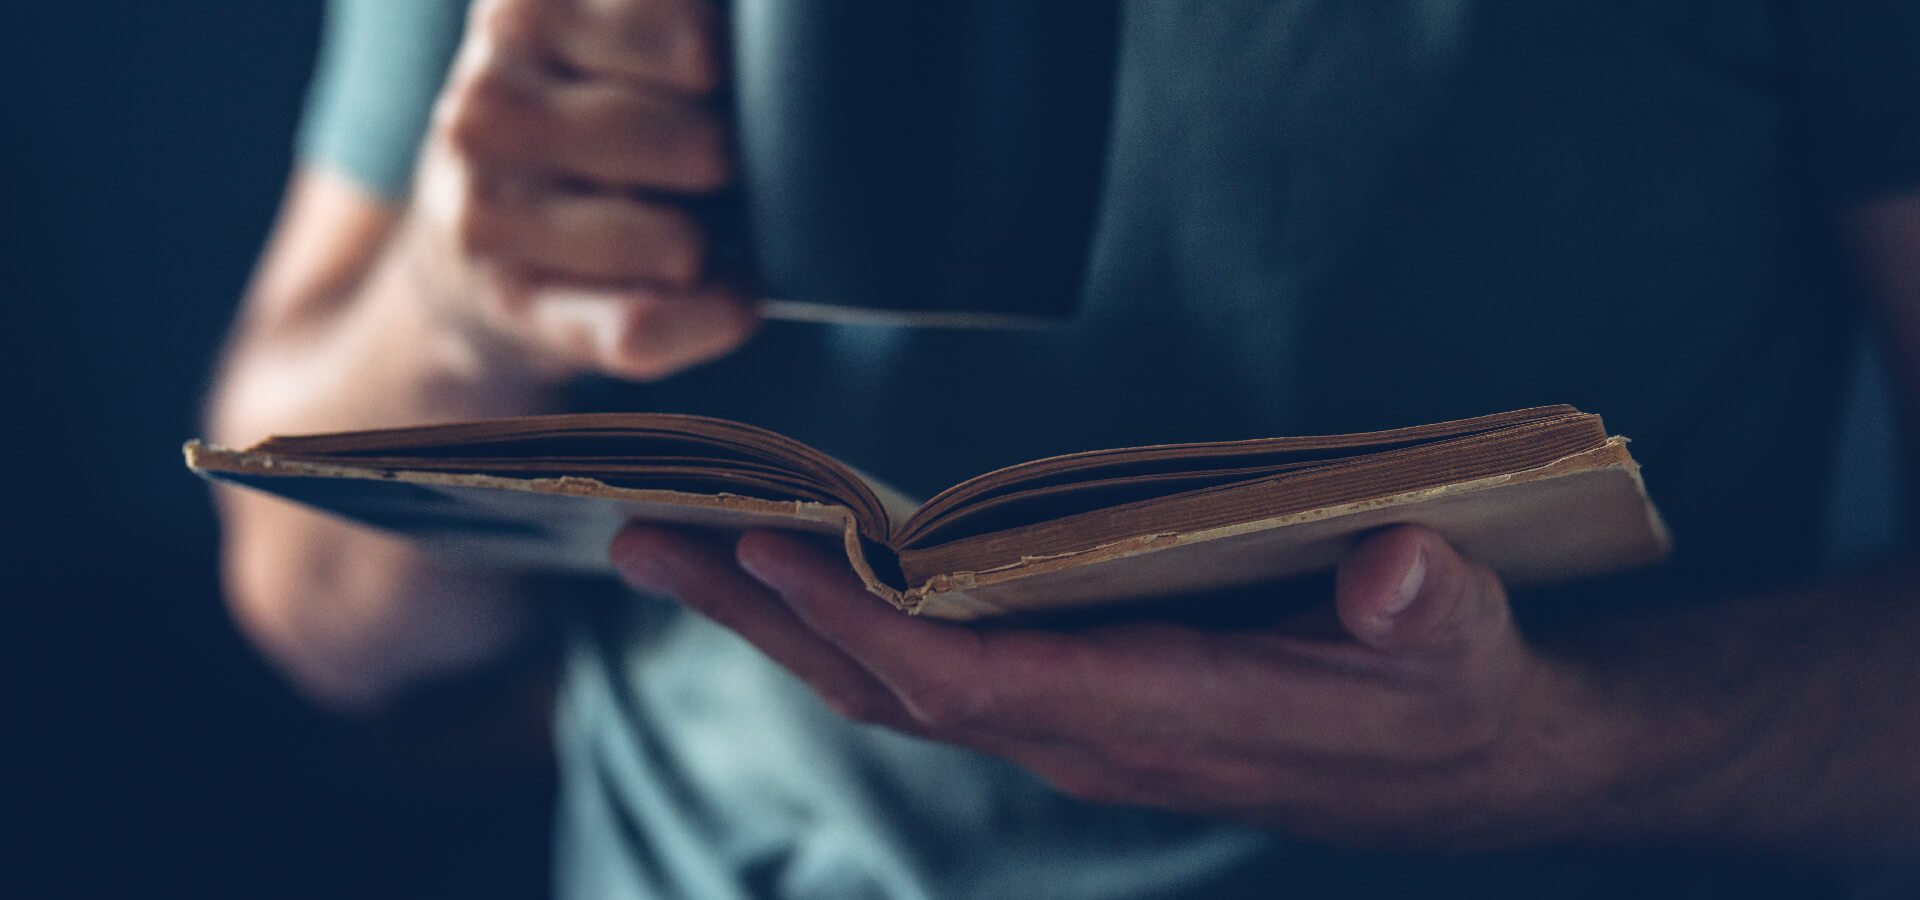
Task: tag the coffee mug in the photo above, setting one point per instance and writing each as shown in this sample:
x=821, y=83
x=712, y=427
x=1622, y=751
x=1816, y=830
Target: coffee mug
x=931, y=162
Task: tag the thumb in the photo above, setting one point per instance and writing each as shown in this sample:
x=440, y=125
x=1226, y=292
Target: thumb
x=1406, y=589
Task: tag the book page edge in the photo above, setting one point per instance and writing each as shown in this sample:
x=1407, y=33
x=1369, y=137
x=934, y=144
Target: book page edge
x=947, y=596
x=210, y=462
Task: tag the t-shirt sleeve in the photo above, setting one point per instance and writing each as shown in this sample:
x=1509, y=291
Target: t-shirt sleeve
x=380, y=67
x=1856, y=78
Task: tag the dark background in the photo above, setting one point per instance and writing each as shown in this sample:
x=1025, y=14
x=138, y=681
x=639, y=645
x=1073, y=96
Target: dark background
x=145, y=148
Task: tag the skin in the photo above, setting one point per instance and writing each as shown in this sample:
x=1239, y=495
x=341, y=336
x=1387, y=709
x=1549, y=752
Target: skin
x=1426, y=721
x=550, y=235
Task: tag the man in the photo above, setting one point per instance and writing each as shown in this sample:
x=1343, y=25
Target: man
x=1319, y=217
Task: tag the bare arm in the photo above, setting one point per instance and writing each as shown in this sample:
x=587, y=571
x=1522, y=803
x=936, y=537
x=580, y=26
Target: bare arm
x=544, y=239
x=333, y=336
x=1791, y=719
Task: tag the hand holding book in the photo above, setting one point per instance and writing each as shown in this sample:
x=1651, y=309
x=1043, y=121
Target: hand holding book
x=1432, y=705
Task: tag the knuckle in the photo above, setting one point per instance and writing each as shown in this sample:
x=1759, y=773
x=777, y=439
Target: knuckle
x=466, y=124
x=512, y=23
x=505, y=122
x=479, y=115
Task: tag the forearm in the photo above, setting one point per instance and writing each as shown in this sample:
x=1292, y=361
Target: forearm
x=350, y=614
x=1792, y=719
x=549, y=235
x=1788, y=720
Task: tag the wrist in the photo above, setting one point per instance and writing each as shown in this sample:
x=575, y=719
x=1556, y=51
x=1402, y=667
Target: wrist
x=1624, y=751
x=384, y=354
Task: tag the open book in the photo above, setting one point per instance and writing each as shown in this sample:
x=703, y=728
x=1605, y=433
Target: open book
x=1539, y=495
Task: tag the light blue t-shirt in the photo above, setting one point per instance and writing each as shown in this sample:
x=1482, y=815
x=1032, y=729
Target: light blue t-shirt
x=1320, y=216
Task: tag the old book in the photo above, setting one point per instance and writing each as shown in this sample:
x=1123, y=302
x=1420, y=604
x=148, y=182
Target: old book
x=1539, y=495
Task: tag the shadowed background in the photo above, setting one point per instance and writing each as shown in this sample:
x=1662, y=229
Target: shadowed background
x=146, y=146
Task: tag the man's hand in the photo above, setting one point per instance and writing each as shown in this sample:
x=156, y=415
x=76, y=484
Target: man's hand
x=554, y=197
x=1424, y=725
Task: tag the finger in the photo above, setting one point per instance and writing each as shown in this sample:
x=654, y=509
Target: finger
x=1144, y=682
x=505, y=28
x=702, y=575
x=673, y=43
x=1407, y=589
x=583, y=236
x=822, y=590
x=1160, y=691
x=959, y=683
x=637, y=333
x=600, y=132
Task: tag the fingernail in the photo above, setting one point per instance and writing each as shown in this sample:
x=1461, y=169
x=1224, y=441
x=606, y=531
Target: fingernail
x=1409, y=585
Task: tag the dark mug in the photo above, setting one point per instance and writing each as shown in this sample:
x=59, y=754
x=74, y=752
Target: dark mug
x=931, y=162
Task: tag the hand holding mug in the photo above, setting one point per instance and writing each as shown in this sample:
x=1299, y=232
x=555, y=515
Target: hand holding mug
x=558, y=188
